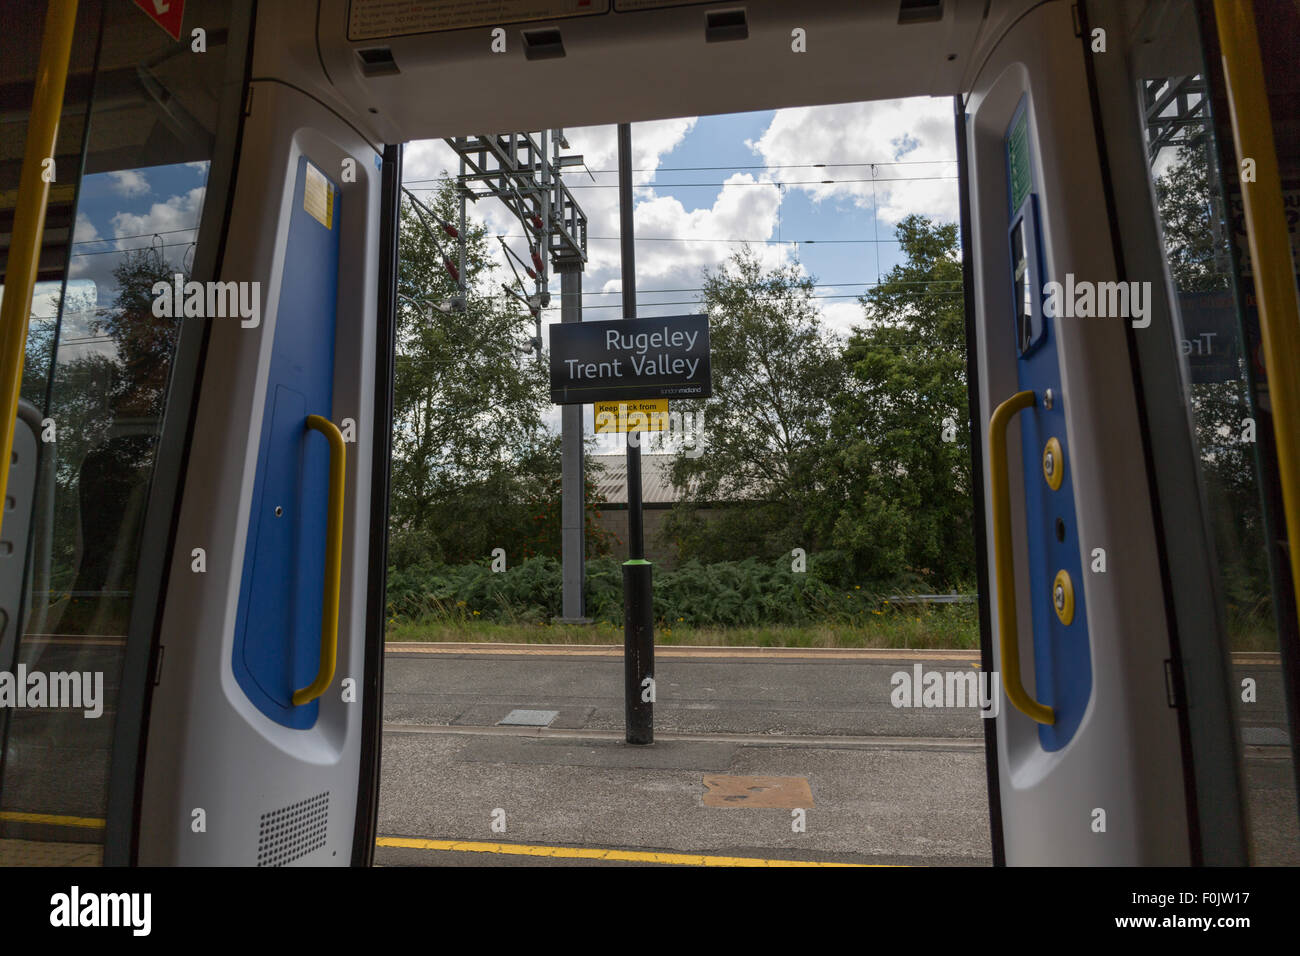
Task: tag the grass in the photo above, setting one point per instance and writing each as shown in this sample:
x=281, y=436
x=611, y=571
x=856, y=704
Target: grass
x=951, y=627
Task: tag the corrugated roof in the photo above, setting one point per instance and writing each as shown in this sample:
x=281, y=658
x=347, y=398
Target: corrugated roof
x=656, y=486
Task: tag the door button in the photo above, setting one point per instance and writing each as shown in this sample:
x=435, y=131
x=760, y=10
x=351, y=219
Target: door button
x=1053, y=464
x=1063, y=597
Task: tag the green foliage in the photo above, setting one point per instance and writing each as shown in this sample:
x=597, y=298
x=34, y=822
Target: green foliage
x=776, y=374
x=1198, y=262
x=473, y=467
x=859, y=447
x=900, y=458
x=727, y=594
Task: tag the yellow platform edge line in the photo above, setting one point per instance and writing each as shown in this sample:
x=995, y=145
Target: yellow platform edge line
x=595, y=853
x=15, y=816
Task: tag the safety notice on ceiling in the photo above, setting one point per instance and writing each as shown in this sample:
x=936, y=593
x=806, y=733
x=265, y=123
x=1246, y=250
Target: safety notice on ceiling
x=627, y=6
x=377, y=19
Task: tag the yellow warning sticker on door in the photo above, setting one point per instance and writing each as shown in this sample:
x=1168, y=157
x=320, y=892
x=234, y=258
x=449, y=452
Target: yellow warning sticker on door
x=318, y=197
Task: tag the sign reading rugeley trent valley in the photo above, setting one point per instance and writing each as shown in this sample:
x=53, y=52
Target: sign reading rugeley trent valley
x=621, y=359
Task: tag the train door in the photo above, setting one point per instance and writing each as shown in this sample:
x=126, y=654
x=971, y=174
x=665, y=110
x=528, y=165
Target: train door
x=265, y=706
x=206, y=531
x=195, y=451
x=1111, y=611
x=138, y=195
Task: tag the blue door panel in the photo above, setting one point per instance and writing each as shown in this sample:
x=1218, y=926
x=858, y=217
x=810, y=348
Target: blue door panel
x=1062, y=656
x=277, y=629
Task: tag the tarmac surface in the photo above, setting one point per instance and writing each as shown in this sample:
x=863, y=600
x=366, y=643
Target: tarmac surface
x=761, y=757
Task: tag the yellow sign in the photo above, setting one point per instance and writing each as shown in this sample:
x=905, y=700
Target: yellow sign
x=318, y=197
x=643, y=415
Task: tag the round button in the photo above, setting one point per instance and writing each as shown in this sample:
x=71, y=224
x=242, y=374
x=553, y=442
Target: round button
x=1053, y=464
x=1063, y=597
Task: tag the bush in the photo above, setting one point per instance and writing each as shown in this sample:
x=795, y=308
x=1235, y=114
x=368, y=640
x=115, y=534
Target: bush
x=723, y=594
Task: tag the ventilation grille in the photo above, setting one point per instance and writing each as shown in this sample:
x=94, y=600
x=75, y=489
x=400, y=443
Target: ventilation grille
x=723, y=25
x=377, y=62
x=920, y=11
x=543, y=44
x=292, y=832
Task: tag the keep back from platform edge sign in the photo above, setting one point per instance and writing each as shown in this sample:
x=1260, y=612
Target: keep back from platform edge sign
x=620, y=359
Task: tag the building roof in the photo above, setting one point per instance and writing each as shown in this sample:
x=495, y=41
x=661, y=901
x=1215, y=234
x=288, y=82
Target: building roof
x=656, y=483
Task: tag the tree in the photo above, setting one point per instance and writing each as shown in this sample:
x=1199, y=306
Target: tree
x=471, y=454
x=1195, y=248
x=776, y=370
x=901, y=467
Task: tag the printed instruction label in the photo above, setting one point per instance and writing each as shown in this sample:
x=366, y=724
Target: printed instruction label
x=373, y=19
x=318, y=197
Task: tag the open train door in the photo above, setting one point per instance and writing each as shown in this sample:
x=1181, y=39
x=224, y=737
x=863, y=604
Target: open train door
x=1117, y=743
x=263, y=733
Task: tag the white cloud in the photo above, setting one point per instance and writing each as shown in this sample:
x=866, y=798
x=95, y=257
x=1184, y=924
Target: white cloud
x=842, y=315
x=912, y=131
x=85, y=230
x=180, y=212
x=175, y=223
x=129, y=183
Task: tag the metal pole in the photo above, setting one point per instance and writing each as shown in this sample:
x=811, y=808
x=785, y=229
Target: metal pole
x=638, y=587
x=462, y=283
x=572, y=478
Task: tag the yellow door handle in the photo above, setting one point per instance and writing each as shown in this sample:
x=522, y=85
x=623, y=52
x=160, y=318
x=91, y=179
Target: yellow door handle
x=329, y=618
x=1004, y=560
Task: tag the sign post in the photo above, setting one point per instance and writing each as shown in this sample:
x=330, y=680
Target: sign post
x=622, y=362
x=625, y=363
x=638, y=586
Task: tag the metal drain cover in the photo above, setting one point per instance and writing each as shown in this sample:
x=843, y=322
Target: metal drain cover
x=528, y=718
x=725, y=790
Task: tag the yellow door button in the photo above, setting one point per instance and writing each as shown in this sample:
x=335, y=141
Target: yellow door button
x=1053, y=464
x=1063, y=597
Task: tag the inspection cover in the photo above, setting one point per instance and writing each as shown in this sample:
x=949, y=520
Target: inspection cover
x=725, y=790
x=1265, y=736
x=528, y=718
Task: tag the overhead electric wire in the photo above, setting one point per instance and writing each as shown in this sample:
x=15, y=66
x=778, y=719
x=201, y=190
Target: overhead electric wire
x=651, y=305
x=700, y=169
x=760, y=182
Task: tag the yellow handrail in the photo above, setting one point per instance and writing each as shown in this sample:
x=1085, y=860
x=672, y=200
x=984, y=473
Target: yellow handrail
x=329, y=619
x=1270, y=249
x=1004, y=564
x=29, y=215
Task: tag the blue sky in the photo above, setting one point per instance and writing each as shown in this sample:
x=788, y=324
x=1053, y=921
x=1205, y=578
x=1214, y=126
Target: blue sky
x=124, y=210
x=701, y=182
x=751, y=176
x=761, y=183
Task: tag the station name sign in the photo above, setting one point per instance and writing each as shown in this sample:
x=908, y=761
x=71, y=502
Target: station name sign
x=622, y=359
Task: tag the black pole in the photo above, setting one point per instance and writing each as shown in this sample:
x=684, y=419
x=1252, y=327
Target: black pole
x=638, y=588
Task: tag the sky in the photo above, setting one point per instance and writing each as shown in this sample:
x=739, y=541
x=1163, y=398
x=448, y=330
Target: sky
x=703, y=183
x=818, y=187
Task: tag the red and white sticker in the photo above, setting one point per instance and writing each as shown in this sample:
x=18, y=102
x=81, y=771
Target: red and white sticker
x=166, y=13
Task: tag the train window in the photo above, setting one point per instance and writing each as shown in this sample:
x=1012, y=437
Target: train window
x=96, y=387
x=1198, y=207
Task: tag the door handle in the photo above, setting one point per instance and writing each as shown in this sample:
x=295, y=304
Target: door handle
x=329, y=618
x=1004, y=560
